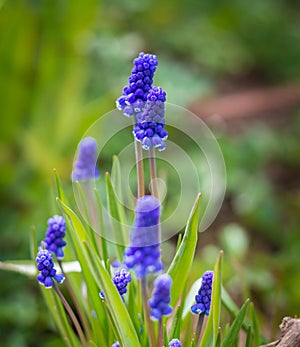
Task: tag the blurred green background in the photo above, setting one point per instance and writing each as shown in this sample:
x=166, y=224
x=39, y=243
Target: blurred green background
x=63, y=63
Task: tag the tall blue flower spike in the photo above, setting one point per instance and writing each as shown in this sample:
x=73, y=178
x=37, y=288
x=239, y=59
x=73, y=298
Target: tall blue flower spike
x=149, y=127
x=159, y=303
x=139, y=83
x=203, y=298
x=46, y=267
x=143, y=253
x=85, y=166
x=175, y=343
x=55, y=234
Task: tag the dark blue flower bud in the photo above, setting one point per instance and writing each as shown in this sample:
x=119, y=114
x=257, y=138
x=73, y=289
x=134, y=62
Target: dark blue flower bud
x=203, y=298
x=159, y=303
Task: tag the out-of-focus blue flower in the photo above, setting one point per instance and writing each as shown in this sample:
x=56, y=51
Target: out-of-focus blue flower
x=85, y=166
x=149, y=127
x=143, y=253
x=175, y=343
x=116, y=344
x=159, y=303
x=55, y=234
x=139, y=83
x=203, y=298
x=45, y=266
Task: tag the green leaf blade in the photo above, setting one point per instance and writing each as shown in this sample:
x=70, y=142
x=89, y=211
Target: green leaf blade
x=183, y=259
x=235, y=327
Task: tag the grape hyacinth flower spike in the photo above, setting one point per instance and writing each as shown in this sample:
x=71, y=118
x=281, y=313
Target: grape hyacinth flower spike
x=159, y=303
x=175, y=343
x=121, y=279
x=55, y=234
x=46, y=267
x=139, y=83
x=143, y=253
x=85, y=166
x=149, y=127
x=203, y=298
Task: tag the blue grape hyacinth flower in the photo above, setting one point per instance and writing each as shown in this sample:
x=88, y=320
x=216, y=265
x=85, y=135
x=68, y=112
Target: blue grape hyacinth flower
x=139, y=83
x=116, y=344
x=45, y=266
x=121, y=279
x=85, y=165
x=175, y=343
x=149, y=128
x=55, y=234
x=143, y=253
x=159, y=303
x=203, y=298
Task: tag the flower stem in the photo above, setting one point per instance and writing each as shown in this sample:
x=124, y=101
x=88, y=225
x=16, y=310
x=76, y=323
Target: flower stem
x=72, y=315
x=139, y=168
x=147, y=313
x=160, y=334
x=75, y=301
x=152, y=160
x=154, y=187
x=199, y=328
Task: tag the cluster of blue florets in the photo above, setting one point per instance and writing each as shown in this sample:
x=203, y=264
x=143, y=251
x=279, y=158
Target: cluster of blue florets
x=55, y=234
x=145, y=103
x=85, y=166
x=149, y=128
x=121, y=278
x=139, y=83
x=143, y=253
x=203, y=298
x=175, y=343
x=159, y=303
x=46, y=267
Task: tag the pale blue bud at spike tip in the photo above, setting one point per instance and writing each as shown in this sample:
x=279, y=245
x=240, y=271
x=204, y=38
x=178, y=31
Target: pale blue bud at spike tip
x=116, y=344
x=54, y=241
x=159, y=303
x=175, y=343
x=143, y=253
x=85, y=166
x=139, y=83
x=45, y=266
x=203, y=298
